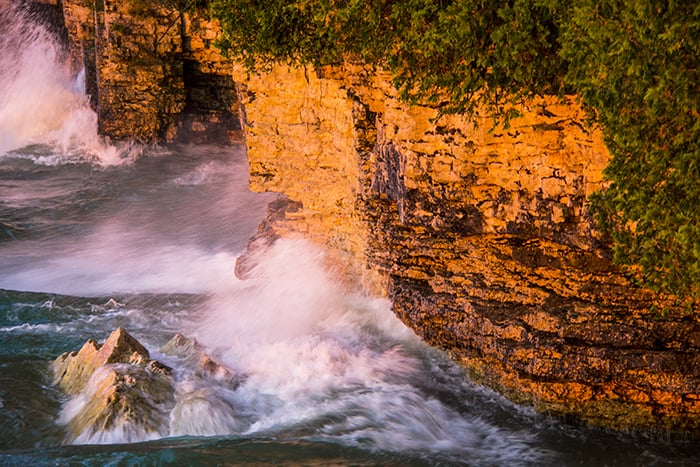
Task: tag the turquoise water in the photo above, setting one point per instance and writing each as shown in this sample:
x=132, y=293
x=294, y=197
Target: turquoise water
x=330, y=377
x=95, y=236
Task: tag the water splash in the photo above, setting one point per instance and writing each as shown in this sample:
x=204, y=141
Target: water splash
x=330, y=364
x=300, y=357
x=42, y=103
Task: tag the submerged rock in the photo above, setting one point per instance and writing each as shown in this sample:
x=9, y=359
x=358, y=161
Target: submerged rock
x=204, y=366
x=181, y=346
x=205, y=413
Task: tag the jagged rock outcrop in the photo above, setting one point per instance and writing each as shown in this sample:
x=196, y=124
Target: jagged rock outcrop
x=118, y=394
x=117, y=391
x=268, y=232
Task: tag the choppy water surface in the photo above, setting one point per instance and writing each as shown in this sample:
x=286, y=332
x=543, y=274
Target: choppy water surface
x=95, y=236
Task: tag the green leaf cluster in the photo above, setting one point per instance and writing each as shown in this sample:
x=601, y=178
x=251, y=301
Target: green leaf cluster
x=442, y=52
x=633, y=62
x=636, y=63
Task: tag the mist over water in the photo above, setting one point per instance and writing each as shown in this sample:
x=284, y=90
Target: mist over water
x=95, y=236
x=40, y=101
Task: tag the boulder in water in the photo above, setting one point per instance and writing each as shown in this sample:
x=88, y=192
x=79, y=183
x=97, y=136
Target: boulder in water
x=73, y=370
x=181, y=346
x=205, y=367
x=119, y=393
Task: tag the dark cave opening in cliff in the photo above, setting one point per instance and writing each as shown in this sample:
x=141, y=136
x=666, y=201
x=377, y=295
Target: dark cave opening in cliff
x=210, y=114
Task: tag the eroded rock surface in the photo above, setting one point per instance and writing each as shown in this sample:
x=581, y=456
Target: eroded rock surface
x=118, y=394
x=482, y=238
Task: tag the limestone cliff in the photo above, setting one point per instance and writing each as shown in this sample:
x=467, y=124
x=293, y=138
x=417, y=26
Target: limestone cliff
x=481, y=237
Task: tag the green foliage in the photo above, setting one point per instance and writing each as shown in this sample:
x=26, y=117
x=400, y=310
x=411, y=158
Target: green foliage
x=440, y=52
x=149, y=8
x=634, y=62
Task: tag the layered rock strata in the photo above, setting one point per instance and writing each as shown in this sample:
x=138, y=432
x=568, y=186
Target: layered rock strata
x=481, y=237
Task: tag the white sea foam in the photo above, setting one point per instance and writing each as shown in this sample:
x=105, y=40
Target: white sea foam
x=42, y=103
x=204, y=412
x=202, y=174
x=311, y=359
x=339, y=364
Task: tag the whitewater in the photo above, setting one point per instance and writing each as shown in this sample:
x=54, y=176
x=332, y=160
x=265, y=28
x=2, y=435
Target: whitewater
x=96, y=235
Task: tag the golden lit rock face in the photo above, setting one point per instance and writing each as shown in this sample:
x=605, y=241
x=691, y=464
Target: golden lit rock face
x=300, y=135
x=153, y=74
x=481, y=237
